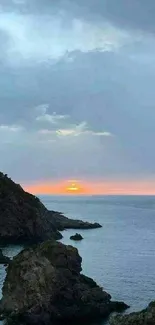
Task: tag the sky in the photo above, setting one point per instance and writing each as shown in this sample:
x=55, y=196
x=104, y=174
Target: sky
x=77, y=96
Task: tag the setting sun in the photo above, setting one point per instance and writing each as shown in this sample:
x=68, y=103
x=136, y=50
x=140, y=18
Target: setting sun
x=73, y=187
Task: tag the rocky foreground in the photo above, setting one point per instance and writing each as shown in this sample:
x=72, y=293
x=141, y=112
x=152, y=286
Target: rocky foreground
x=144, y=317
x=44, y=285
x=23, y=218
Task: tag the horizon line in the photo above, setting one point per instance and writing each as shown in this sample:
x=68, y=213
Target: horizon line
x=92, y=195
x=92, y=188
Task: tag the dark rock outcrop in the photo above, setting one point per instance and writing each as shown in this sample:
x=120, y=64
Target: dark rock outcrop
x=76, y=237
x=4, y=259
x=144, y=317
x=44, y=285
x=23, y=218
x=61, y=222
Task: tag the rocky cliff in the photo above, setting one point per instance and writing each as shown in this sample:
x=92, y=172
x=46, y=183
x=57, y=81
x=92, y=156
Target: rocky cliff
x=44, y=285
x=23, y=218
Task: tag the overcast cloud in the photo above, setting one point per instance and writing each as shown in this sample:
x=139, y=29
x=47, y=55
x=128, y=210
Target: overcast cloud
x=77, y=89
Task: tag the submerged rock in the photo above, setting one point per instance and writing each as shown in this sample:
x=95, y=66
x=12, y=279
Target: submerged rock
x=23, y=218
x=44, y=285
x=4, y=259
x=144, y=317
x=76, y=237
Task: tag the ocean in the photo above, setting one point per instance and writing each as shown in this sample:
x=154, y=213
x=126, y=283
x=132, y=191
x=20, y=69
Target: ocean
x=120, y=256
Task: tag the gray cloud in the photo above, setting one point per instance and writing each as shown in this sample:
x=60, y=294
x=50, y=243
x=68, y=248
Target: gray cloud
x=133, y=14
x=47, y=38
x=72, y=75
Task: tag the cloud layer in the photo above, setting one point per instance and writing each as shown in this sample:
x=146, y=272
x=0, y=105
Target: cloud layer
x=77, y=89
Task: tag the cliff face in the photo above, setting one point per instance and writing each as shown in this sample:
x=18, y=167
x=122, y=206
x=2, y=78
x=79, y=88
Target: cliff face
x=44, y=284
x=23, y=218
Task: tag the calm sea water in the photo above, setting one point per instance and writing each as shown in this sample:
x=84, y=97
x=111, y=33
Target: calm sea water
x=121, y=255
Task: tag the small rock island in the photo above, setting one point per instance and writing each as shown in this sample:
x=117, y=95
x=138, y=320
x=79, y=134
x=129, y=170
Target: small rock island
x=76, y=237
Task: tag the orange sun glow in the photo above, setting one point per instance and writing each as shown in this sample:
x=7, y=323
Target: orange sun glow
x=80, y=187
x=73, y=188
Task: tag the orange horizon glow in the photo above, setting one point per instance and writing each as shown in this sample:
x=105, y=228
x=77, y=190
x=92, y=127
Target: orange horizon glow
x=92, y=188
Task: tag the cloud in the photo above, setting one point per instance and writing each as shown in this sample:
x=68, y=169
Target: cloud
x=47, y=38
x=42, y=109
x=63, y=126
x=109, y=91
x=73, y=130
x=9, y=134
x=80, y=129
x=104, y=133
x=46, y=132
x=76, y=132
x=51, y=118
x=133, y=15
x=19, y=2
x=60, y=127
x=66, y=132
x=91, y=62
x=10, y=128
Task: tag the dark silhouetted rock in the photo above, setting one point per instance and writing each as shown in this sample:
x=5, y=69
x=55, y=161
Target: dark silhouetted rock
x=44, y=285
x=61, y=222
x=23, y=218
x=76, y=237
x=144, y=317
x=4, y=259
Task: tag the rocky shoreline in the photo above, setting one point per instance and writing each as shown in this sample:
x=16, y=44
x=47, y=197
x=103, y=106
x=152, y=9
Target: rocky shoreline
x=24, y=219
x=144, y=317
x=44, y=283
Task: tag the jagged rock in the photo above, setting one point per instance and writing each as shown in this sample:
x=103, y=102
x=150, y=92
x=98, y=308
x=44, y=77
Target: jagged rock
x=4, y=259
x=23, y=218
x=76, y=237
x=44, y=285
x=144, y=317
